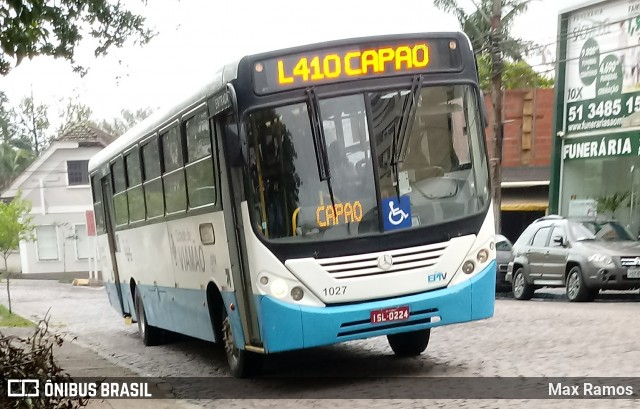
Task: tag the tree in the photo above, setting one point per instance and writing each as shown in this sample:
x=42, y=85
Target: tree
x=13, y=161
x=127, y=120
x=29, y=28
x=488, y=28
x=32, y=122
x=516, y=74
x=73, y=113
x=6, y=129
x=477, y=25
x=15, y=226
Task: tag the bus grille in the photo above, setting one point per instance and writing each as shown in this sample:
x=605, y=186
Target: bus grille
x=363, y=265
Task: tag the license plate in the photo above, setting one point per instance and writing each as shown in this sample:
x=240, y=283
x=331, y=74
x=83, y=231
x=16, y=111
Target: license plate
x=633, y=273
x=390, y=314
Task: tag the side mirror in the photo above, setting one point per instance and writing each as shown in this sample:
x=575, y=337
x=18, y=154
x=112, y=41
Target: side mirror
x=559, y=240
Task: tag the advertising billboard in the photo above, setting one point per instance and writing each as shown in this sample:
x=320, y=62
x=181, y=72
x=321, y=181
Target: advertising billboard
x=602, y=71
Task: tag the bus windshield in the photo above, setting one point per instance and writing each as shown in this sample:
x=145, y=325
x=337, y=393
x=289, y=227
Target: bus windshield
x=379, y=178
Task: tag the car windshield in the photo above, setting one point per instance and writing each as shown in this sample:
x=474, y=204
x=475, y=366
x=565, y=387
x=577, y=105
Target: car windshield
x=434, y=172
x=503, y=245
x=609, y=231
x=579, y=232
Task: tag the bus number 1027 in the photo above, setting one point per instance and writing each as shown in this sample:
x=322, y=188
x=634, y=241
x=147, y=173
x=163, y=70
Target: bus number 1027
x=332, y=291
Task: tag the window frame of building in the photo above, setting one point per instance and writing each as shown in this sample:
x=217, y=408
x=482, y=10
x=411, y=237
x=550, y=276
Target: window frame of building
x=75, y=241
x=84, y=173
x=39, y=251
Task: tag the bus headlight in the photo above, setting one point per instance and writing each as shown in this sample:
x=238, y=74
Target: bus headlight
x=468, y=267
x=482, y=256
x=279, y=288
x=297, y=293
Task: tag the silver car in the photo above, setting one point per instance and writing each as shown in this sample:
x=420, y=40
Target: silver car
x=503, y=257
x=583, y=256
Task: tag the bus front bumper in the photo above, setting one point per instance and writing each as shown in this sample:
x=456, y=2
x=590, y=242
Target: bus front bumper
x=287, y=326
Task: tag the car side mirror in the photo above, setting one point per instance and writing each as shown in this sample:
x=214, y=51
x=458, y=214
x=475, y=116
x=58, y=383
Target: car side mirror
x=559, y=240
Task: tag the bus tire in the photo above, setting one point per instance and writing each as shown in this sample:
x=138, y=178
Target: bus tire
x=242, y=363
x=409, y=343
x=150, y=335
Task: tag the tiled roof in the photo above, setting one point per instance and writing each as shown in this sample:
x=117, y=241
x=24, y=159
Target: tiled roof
x=85, y=132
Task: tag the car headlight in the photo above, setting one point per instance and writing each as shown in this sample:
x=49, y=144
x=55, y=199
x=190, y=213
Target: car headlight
x=601, y=260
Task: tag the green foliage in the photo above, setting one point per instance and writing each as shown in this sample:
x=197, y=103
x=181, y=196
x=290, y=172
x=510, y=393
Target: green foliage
x=8, y=319
x=13, y=161
x=609, y=204
x=15, y=225
x=515, y=75
x=477, y=25
x=31, y=123
x=29, y=28
x=73, y=113
x=127, y=119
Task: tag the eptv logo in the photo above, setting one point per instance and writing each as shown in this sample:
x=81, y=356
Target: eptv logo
x=23, y=388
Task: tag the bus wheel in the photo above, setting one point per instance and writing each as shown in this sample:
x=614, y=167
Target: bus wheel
x=150, y=335
x=409, y=343
x=242, y=363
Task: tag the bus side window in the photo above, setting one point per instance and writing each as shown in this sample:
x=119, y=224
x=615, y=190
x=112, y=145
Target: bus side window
x=134, y=181
x=201, y=186
x=175, y=195
x=98, y=208
x=153, y=194
x=120, y=204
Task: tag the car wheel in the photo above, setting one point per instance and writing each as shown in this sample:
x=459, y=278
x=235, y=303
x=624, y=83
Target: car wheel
x=577, y=290
x=242, y=363
x=409, y=343
x=521, y=289
x=150, y=335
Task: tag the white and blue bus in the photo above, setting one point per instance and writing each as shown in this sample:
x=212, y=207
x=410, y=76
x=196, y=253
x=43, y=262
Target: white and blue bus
x=306, y=197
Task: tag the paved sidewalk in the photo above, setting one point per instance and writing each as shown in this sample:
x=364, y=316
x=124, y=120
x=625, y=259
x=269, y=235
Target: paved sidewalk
x=80, y=362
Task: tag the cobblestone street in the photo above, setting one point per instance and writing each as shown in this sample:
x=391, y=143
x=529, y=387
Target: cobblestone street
x=547, y=336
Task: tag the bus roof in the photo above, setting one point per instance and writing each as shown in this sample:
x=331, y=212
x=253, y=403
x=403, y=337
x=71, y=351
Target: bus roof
x=163, y=116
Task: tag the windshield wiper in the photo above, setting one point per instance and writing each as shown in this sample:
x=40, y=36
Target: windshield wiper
x=398, y=148
x=319, y=140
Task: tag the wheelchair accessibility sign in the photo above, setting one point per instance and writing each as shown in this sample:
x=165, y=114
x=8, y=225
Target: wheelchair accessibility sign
x=397, y=212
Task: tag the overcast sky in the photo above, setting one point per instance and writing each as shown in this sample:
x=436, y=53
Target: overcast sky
x=196, y=37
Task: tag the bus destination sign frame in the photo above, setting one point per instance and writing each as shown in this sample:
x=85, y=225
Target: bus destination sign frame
x=352, y=62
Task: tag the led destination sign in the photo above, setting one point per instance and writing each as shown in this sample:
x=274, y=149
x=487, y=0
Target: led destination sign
x=354, y=62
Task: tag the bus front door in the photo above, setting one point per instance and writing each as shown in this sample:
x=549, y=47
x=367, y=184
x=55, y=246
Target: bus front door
x=232, y=196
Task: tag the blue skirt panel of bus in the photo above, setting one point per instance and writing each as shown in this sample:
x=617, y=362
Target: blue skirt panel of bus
x=176, y=309
x=286, y=326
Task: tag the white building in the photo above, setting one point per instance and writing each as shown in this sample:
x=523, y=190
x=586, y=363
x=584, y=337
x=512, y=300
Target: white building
x=57, y=185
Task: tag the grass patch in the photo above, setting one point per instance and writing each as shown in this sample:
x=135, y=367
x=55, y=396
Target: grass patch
x=12, y=320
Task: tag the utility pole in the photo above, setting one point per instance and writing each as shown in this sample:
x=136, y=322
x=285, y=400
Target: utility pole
x=496, y=99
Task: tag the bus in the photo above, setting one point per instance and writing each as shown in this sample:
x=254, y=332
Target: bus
x=306, y=197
